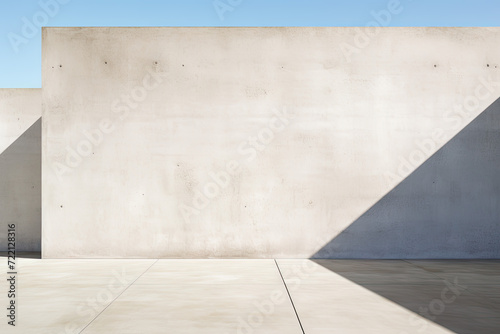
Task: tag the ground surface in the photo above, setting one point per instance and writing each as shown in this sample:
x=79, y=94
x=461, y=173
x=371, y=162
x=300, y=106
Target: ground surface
x=254, y=296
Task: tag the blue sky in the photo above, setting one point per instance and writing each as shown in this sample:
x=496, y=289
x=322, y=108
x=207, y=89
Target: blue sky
x=20, y=49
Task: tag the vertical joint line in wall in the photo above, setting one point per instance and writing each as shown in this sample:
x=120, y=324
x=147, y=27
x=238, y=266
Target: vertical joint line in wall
x=290, y=297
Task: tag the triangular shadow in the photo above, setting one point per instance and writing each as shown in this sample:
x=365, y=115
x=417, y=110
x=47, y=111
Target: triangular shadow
x=455, y=294
x=448, y=208
x=20, y=191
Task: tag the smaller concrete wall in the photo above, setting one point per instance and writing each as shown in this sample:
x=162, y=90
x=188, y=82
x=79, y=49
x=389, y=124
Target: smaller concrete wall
x=20, y=167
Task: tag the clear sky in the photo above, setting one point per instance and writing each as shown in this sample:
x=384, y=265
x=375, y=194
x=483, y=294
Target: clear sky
x=20, y=41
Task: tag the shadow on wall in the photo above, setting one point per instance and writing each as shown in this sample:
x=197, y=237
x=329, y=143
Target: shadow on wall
x=447, y=208
x=20, y=190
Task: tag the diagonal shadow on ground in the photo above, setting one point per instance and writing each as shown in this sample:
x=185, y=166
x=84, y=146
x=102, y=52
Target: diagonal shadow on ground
x=458, y=295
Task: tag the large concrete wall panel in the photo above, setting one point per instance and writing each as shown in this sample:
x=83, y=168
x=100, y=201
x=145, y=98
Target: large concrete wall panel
x=250, y=142
x=20, y=167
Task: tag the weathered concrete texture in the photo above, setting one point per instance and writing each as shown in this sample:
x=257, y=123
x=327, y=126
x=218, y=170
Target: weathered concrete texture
x=255, y=142
x=20, y=163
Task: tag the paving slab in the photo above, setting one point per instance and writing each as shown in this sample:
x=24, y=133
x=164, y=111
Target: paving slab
x=195, y=308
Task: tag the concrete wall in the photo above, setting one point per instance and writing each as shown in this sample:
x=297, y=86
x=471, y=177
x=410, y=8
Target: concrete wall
x=260, y=142
x=20, y=163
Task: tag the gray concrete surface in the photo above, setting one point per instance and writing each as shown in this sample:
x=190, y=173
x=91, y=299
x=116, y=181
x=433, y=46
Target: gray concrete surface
x=20, y=167
x=456, y=295
x=262, y=142
x=292, y=296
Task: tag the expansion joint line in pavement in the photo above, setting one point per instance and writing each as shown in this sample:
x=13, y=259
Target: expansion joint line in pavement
x=117, y=297
x=290, y=297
